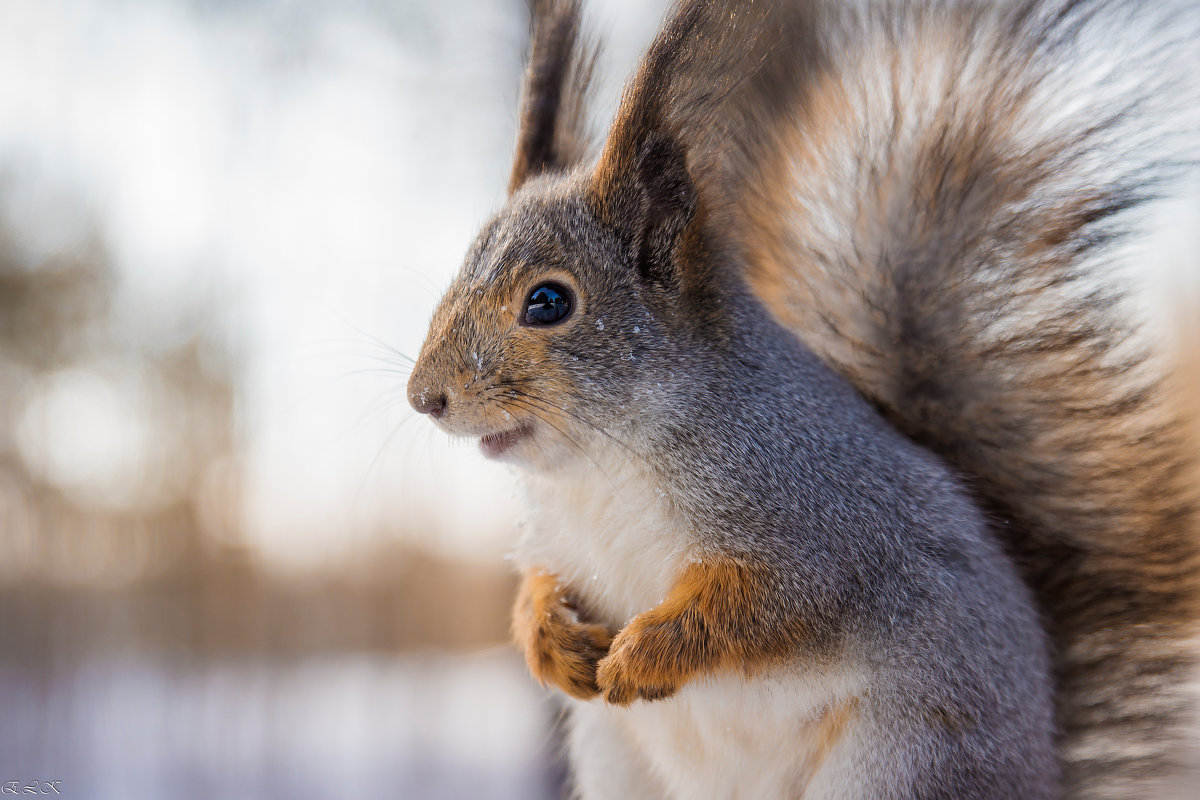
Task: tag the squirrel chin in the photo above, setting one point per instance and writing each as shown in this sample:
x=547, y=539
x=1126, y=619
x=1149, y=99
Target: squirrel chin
x=496, y=445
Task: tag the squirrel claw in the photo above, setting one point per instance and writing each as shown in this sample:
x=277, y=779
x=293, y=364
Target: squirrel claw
x=640, y=665
x=559, y=648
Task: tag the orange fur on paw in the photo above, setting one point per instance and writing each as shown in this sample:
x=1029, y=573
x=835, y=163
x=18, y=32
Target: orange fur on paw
x=712, y=619
x=559, y=648
x=646, y=661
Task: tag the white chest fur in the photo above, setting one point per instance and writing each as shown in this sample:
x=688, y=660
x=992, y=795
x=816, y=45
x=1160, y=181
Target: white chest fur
x=793, y=734
x=610, y=534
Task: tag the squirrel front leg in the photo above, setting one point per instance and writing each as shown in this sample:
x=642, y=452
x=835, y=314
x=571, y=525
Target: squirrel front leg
x=559, y=648
x=719, y=614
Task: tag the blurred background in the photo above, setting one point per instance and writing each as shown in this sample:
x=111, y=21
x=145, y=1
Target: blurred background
x=232, y=561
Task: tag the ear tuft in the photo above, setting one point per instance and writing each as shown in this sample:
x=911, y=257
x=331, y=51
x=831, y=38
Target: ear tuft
x=553, y=131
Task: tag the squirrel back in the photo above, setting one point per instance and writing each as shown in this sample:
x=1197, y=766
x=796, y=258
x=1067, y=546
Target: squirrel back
x=943, y=202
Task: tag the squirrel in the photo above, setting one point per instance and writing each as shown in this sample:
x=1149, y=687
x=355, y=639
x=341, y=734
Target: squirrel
x=852, y=468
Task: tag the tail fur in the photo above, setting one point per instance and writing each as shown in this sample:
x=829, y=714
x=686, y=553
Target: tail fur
x=953, y=221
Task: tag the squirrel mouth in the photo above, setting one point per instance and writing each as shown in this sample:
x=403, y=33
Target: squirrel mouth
x=496, y=444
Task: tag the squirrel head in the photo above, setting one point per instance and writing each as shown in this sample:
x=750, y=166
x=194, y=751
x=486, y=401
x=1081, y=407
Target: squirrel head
x=581, y=303
x=564, y=314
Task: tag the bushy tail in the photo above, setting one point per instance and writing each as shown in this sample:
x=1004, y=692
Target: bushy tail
x=950, y=219
x=948, y=201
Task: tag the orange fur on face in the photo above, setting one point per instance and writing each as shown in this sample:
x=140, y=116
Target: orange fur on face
x=713, y=618
x=497, y=374
x=559, y=649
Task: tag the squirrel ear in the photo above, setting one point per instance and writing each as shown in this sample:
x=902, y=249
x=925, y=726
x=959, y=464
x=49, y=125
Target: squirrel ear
x=553, y=131
x=646, y=194
x=642, y=186
x=667, y=204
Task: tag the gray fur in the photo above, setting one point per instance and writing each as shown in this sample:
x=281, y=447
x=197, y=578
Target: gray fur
x=971, y=313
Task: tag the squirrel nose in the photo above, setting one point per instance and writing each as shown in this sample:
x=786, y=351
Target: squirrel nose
x=434, y=405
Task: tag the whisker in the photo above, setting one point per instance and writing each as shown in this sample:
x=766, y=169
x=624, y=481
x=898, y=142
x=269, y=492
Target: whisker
x=577, y=417
x=366, y=340
x=386, y=401
x=386, y=443
x=540, y=414
x=401, y=372
x=379, y=343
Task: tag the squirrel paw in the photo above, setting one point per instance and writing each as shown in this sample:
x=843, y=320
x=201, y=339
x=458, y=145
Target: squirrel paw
x=645, y=662
x=559, y=648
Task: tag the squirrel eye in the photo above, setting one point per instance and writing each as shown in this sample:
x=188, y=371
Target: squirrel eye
x=547, y=304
